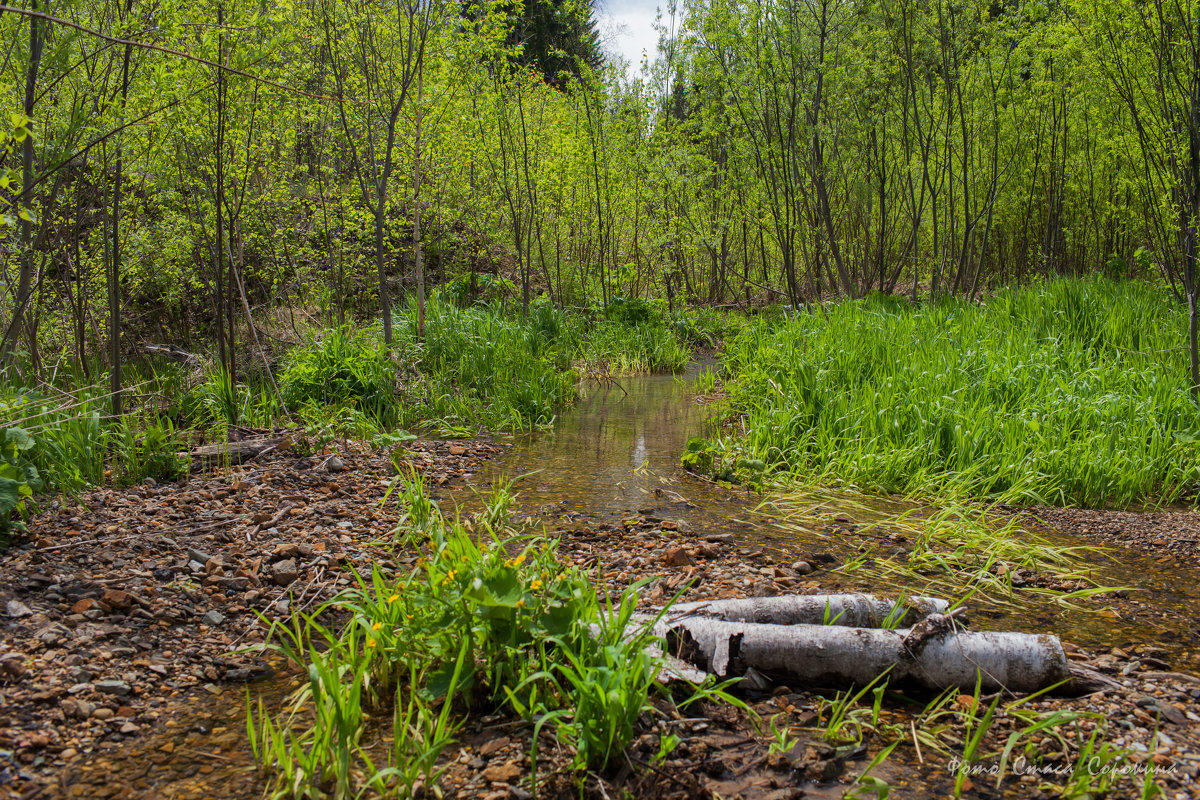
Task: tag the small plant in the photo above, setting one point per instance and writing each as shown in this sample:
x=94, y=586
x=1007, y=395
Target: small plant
x=845, y=722
x=781, y=738
x=18, y=477
x=667, y=743
x=868, y=785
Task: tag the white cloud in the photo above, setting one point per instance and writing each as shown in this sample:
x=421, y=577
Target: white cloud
x=627, y=30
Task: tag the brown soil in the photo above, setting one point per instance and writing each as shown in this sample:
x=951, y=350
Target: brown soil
x=1170, y=535
x=121, y=682
x=124, y=611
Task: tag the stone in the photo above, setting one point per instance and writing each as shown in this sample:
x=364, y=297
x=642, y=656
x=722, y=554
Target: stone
x=80, y=674
x=103, y=713
x=17, y=609
x=13, y=665
x=213, y=618
x=457, y=450
x=114, y=687
x=505, y=773
x=116, y=598
x=335, y=464
x=683, y=526
x=284, y=573
x=199, y=556
x=493, y=746
x=83, y=605
x=802, y=567
x=677, y=557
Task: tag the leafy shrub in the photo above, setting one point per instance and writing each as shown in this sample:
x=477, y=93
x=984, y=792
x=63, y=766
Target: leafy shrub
x=632, y=310
x=19, y=478
x=342, y=370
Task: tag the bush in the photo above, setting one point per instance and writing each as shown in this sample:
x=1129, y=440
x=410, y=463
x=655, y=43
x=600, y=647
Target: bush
x=342, y=370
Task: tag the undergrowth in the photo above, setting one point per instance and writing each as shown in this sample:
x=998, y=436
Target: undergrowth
x=489, y=620
x=1069, y=393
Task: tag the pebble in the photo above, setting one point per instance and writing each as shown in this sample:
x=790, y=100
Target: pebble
x=17, y=609
x=284, y=573
x=114, y=687
x=213, y=618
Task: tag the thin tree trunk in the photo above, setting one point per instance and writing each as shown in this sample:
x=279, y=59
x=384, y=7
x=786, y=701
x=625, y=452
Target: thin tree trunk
x=25, y=279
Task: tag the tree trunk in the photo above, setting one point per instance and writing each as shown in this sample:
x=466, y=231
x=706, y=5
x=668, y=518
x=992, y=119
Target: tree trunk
x=25, y=278
x=419, y=266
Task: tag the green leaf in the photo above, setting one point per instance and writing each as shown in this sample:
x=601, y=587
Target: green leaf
x=20, y=438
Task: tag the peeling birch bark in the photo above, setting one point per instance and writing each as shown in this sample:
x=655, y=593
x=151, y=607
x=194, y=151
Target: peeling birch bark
x=847, y=610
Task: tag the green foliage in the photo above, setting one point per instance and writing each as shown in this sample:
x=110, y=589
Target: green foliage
x=18, y=476
x=1069, y=393
x=487, y=618
x=632, y=310
x=342, y=370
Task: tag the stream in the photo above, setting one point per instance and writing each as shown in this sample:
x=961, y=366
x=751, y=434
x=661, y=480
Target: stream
x=613, y=455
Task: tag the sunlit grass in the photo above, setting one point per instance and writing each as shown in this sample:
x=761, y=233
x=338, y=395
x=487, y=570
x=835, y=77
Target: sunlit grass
x=1070, y=393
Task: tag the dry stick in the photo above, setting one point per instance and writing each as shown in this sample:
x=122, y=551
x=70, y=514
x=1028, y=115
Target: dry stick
x=87, y=541
x=273, y=521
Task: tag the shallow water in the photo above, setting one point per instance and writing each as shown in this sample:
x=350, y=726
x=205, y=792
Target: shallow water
x=612, y=455
x=617, y=452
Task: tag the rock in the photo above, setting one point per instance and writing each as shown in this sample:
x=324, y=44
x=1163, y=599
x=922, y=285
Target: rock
x=677, y=557
x=506, y=773
x=493, y=746
x=80, y=606
x=719, y=538
x=335, y=464
x=199, y=556
x=80, y=675
x=16, y=609
x=164, y=575
x=284, y=573
x=457, y=450
x=13, y=665
x=214, y=566
x=291, y=550
x=117, y=599
x=683, y=526
x=802, y=567
x=114, y=687
x=103, y=713
x=213, y=618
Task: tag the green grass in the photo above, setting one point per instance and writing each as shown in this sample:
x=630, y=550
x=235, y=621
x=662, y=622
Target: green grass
x=488, y=620
x=1070, y=393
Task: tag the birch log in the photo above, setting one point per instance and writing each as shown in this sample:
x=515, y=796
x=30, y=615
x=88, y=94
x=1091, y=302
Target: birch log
x=849, y=610
x=932, y=654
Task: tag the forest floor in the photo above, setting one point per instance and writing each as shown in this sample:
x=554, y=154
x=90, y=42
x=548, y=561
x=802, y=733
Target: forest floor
x=120, y=676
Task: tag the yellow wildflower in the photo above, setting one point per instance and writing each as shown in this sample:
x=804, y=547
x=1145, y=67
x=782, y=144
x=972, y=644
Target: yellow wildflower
x=376, y=626
x=370, y=642
x=393, y=599
x=535, y=585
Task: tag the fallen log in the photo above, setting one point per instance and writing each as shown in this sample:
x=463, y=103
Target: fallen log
x=934, y=655
x=239, y=452
x=847, y=610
